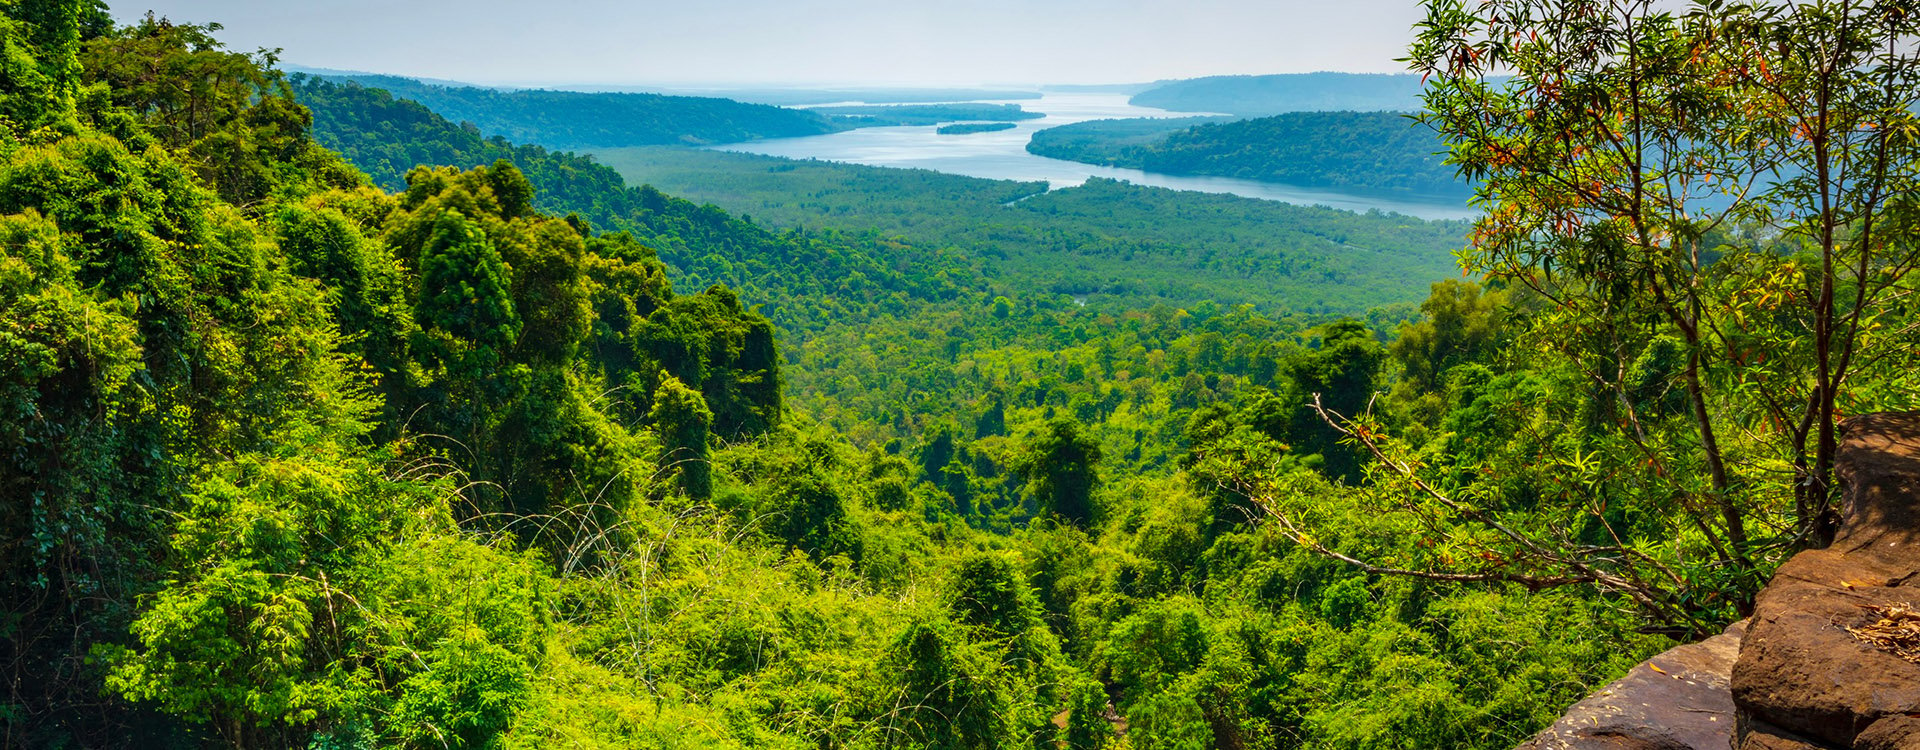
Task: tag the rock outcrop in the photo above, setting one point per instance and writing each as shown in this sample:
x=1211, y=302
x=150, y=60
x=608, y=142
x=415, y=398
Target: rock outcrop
x=1675, y=701
x=1818, y=666
x=1804, y=674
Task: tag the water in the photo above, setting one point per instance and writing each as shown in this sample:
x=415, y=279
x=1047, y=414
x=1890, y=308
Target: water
x=1002, y=155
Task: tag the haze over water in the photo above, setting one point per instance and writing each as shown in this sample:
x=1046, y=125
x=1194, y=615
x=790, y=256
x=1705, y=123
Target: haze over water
x=1002, y=155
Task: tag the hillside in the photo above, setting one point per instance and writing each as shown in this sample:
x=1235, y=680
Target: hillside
x=1258, y=96
x=572, y=119
x=1372, y=152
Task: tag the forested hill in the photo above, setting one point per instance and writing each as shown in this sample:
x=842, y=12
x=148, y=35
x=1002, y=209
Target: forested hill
x=572, y=119
x=1255, y=96
x=1379, y=152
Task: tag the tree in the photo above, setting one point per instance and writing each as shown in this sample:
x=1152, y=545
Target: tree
x=1341, y=374
x=1631, y=139
x=233, y=112
x=810, y=514
x=1087, y=725
x=681, y=419
x=1059, y=466
x=310, y=593
x=1461, y=324
x=1712, y=204
x=465, y=292
x=947, y=698
x=988, y=592
x=56, y=27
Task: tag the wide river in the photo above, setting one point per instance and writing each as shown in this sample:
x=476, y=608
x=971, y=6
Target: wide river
x=1002, y=155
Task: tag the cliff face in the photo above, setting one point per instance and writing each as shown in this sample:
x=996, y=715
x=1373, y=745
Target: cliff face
x=1820, y=665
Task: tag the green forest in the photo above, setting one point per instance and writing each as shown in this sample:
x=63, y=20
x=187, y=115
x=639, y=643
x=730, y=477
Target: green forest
x=336, y=420
x=572, y=119
x=1372, y=152
x=1110, y=142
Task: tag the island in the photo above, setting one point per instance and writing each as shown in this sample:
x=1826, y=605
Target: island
x=862, y=116
x=969, y=128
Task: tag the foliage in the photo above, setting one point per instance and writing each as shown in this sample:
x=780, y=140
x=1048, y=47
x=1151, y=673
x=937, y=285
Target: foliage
x=231, y=113
x=1694, y=228
x=1365, y=151
x=684, y=423
x=324, y=597
x=1058, y=464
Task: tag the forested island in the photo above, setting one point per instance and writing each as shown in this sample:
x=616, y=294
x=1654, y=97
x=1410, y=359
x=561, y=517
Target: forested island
x=1380, y=152
x=791, y=97
x=969, y=128
x=333, y=420
x=924, y=114
x=1112, y=143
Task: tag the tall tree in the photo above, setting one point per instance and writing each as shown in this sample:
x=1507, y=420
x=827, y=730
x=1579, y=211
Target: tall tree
x=1631, y=141
x=56, y=36
x=1712, y=203
x=464, y=290
x=1342, y=374
x=683, y=422
x=1059, y=464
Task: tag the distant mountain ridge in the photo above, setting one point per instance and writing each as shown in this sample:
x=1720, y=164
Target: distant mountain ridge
x=1259, y=96
x=576, y=120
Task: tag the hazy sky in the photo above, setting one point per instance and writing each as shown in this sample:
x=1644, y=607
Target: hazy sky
x=817, y=41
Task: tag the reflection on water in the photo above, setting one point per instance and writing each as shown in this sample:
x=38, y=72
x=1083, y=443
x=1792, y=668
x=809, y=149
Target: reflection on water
x=1002, y=155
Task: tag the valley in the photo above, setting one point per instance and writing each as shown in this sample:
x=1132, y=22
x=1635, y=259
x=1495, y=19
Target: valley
x=352, y=411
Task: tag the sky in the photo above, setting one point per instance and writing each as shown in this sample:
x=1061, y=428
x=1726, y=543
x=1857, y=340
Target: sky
x=744, y=42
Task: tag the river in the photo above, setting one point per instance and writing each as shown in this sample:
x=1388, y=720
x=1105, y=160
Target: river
x=1002, y=155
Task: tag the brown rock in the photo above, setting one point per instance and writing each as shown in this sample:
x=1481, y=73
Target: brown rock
x=1759, y=736
x=1800, y=671
x=1891, y=733
x=1677, y=700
